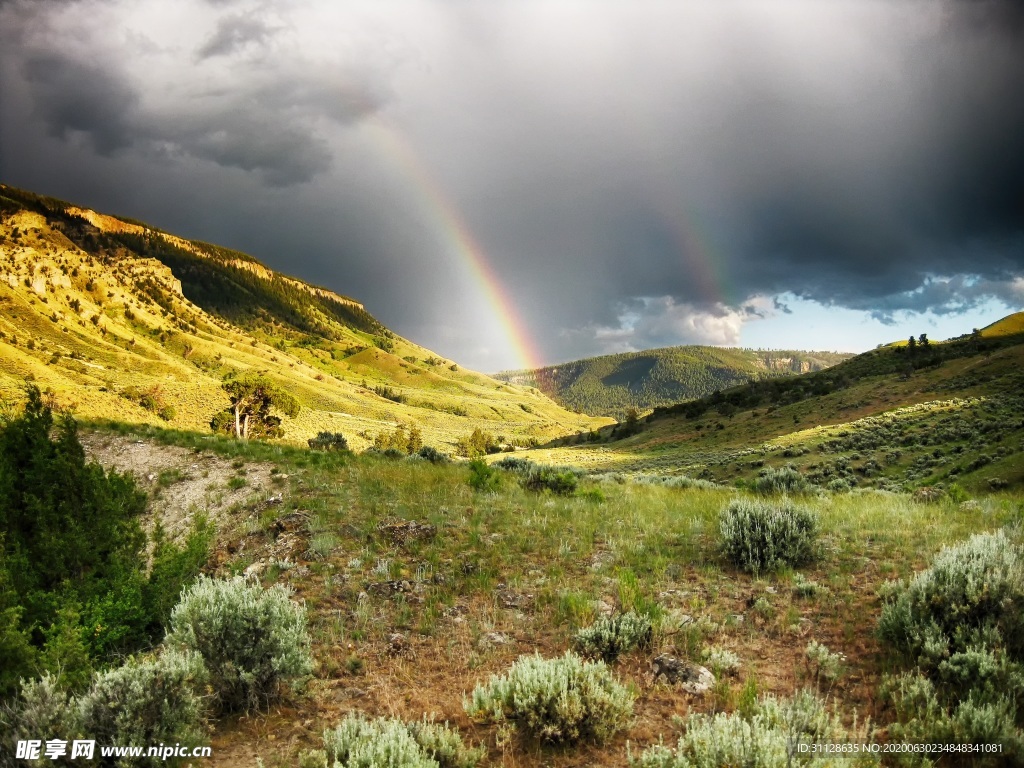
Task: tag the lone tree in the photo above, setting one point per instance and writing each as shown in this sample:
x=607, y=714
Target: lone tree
x=252, y=397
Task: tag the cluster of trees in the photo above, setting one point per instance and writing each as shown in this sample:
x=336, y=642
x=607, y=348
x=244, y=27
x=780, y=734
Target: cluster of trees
x=401, y=440
x=150, y=398
x=245, y=297
x=477, y=444
x=74, y=589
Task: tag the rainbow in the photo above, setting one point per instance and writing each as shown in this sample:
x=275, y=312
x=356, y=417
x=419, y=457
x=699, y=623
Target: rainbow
x=457, y=235
x=694, y=243
x=696, y=249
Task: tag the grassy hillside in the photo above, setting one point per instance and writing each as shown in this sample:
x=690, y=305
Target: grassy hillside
x=121, y=321
x=944, y=414
x=612, y=384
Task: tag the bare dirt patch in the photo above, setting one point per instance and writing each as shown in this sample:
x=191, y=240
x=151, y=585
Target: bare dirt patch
x=182, y=483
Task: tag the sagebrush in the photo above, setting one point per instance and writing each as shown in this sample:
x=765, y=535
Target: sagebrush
x=768, y=736
x=252, y=639
x=610, y=636
x=357, y=742
x=561, y=700
x=764, y=536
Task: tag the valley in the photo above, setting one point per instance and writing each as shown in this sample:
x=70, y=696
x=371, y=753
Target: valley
x=421, y=578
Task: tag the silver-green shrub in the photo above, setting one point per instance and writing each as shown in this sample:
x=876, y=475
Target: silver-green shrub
x=825, y=664
x=444, y=744
x=782, y=480
x=960, y=625
x=144, y=702
x=43, y=710
x=923, y=716
x=720, y=660
x=610, y=636
x=151, y=702
x=383, y=743
x=970, y=599
x=251, y=639
x=388, y=743
x=763, y=536
x=769, y=736
x=561, y=700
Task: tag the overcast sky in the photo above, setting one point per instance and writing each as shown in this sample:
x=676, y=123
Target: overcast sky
x=636, y=174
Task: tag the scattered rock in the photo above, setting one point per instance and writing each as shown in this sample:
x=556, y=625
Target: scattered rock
x=601, y=558
x=404, y=531
x=509, y=598
x=255, y=570
x=388, y=588
x=694, y=678
x=457, y=610
x=604, y=608
x=493, y=638
x=398, y=644
x=971, y=505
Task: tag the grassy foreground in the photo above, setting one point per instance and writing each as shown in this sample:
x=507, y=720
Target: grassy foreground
x=419, y=587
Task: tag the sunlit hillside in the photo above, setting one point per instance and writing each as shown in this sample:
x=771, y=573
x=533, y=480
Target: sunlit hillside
x=118, y=320
x=894, y=418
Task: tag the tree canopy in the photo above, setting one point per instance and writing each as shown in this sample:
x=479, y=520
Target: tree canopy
x=252, y=398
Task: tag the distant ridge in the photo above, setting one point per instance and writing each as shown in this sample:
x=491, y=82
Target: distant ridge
x=611, y=384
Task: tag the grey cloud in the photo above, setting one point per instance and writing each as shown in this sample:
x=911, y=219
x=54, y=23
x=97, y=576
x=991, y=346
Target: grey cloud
x=233, y=33
x=945, y=296
x=781, y=306
x=283, y=155
x=649, y=322
x=845, y=181
x=80, y=97
x=267, y=125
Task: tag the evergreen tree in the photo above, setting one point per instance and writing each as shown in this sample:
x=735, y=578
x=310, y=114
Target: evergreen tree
x=73, y=580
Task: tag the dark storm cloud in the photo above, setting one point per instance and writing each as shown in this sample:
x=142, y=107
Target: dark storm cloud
x=637, y=174
x=77, y=98
x=73, y=96
x=851, y=177
x=949, y=296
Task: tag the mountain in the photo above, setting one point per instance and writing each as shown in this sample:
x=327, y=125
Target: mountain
x=117, y=319
x=897, y=417
x=611, y=384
